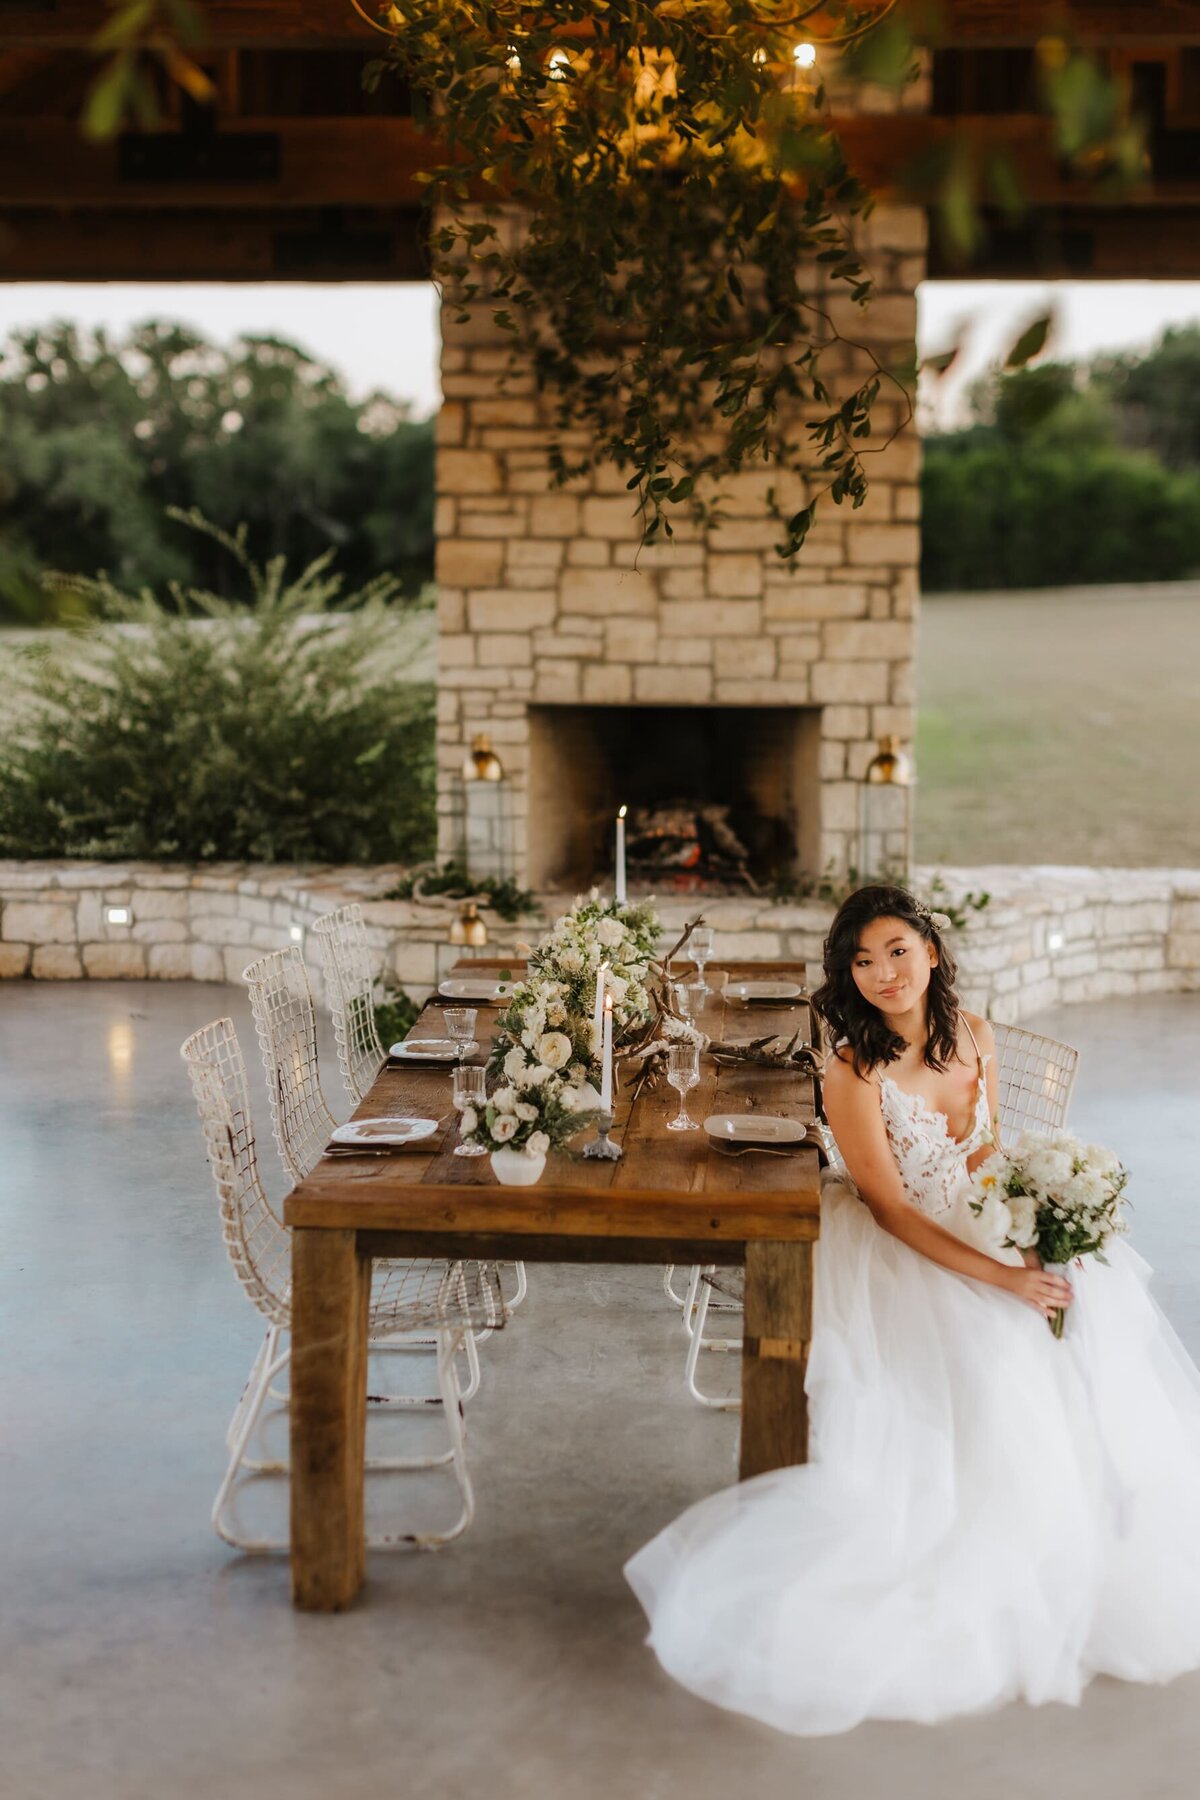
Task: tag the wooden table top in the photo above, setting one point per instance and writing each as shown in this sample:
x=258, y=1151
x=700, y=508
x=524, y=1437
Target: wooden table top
x=668, y=1185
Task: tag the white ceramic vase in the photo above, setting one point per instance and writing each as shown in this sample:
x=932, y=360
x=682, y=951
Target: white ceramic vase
x=518, y=1168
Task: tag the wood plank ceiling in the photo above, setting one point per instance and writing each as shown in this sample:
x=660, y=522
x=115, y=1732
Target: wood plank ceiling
x=297, y=174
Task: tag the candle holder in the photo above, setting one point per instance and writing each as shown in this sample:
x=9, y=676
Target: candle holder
x=602, y=1146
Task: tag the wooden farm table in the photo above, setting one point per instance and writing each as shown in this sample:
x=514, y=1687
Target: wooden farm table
x=670, y=1199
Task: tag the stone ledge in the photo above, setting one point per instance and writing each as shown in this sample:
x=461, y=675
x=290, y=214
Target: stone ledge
x=1121, y=931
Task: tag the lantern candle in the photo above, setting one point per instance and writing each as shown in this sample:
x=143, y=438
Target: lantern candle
x=621, y=857
x=607, y=1072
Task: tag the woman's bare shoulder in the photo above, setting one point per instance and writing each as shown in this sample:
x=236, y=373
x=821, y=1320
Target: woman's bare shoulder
x=980, y=1029
x=841, y=1074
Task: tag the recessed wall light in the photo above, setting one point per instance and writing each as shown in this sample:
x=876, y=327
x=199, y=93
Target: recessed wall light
x=118, y=915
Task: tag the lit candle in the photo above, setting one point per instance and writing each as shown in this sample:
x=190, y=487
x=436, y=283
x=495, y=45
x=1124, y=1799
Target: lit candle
x=606, y=1075
x=598, y=1009
x=621, y=857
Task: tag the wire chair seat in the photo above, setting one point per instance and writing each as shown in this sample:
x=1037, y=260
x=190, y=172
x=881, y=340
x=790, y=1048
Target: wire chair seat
x=449, y=1300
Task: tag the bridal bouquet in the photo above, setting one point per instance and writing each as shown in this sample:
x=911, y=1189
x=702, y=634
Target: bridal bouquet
x=1055, y=1195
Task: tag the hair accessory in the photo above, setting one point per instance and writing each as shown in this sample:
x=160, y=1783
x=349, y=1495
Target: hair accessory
x=943, y=921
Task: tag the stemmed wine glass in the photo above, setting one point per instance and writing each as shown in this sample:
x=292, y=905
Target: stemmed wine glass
x=470, y=1089
x=683, y=1072
x=460, y=1023
x=701, y=945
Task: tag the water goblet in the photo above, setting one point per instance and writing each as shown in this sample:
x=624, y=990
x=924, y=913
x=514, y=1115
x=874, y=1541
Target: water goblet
x=683, y=1072
x=460, y=1024
x=701, y=946
x=470, y=1090
x=681, y=999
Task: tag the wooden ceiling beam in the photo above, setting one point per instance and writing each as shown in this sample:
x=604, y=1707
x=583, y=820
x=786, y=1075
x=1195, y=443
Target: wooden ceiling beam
x=330, y=24
x=275, y=162
x=64, y=244
x=228, y=24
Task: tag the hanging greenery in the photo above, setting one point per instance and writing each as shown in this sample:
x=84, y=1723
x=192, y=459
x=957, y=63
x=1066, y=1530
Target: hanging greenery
x=686, y=214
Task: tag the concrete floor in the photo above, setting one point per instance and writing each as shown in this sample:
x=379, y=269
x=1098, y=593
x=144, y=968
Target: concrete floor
x=139, y=1657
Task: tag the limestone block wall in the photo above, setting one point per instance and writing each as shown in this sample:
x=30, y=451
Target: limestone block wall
x=540, y=602
x=1048, y=936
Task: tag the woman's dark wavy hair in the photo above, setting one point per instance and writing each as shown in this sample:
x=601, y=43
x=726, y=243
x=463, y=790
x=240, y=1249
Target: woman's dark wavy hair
x=853, y=1020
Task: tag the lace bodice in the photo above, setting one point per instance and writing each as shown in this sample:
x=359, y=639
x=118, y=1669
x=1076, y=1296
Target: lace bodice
x=932, y=1164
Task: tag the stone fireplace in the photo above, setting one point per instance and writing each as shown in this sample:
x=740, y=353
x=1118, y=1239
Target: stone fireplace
x=701, y=670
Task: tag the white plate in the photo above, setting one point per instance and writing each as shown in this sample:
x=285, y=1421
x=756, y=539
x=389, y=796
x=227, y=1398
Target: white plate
x=384, y=1131
x=763, y=990
x=477, y=988
x=425, y=1050
x=755, y=1128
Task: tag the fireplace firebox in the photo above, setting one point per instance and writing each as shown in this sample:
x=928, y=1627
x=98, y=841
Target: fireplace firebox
x=719, y=798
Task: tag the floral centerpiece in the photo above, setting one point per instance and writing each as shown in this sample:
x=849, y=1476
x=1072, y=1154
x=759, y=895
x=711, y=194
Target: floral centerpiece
x=532, y=1111
x=1053, y=1194
x=558, y=995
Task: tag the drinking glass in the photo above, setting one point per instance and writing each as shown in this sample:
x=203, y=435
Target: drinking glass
x=681, y=999
x=701, y=946
x=460, y=1023
x=683, y=1072
x=470, y=1089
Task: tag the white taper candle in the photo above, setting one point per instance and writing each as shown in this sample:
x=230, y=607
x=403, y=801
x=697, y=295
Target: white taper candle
x=607, y=1072
x=598, y=1009
x=621, y=857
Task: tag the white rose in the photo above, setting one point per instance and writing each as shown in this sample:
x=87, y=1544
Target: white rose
x=995, y=1220
x=538, y=1142
x=504, y=1127
x=537, y=1076
x=525, y=1110
x=469, y=1121
x=505, y=1100
x=610, y=932
x=1023, y=1213
x=618, y=988
x=514, y=1063
x=1085, y=1190
x=556, y=1013
x=581, y=1098
x=571, y=961
x=554, y=1049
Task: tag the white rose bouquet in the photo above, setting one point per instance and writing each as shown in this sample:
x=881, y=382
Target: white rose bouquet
x=531, y=1110
x=1055, y=1195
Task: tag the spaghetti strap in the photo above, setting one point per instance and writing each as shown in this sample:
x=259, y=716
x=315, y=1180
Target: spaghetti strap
x=974, y=1045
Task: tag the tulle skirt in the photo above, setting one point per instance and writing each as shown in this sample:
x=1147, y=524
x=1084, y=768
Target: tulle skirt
x=988, y=1512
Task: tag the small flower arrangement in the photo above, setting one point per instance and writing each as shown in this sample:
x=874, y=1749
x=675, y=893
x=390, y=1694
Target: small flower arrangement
x=532, y=1110
x=1054, y=1194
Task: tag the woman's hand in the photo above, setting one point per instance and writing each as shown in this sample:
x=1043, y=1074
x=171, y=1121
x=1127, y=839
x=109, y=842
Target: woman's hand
x=1044, y=1292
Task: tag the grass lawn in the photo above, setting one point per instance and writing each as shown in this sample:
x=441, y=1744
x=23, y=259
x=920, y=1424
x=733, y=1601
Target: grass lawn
x=1061, y=726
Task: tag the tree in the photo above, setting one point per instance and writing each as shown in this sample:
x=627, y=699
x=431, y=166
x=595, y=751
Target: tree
x=1157, y=397
x=98, y=437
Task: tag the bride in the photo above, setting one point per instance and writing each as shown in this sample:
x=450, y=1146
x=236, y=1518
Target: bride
x=989, y=1512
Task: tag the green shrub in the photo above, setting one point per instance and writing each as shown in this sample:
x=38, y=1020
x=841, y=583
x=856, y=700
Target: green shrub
x=998, y=515
x=280, y=732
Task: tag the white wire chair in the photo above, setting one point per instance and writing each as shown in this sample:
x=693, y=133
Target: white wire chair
x=446, y=1299
x=349, y=970
x=284, y=1017
x=1036, y=1076
x=286, y=1022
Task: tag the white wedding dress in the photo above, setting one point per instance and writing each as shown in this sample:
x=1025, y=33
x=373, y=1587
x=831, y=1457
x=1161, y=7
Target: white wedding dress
x=988, y=1512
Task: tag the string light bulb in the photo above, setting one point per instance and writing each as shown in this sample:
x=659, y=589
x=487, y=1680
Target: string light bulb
x=558, y=65
x=804, y=55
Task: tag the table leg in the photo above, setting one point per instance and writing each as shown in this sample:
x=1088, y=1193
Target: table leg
x=778, y=1326
x=331, y=1292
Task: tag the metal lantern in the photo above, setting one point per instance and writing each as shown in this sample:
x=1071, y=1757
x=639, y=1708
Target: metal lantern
x=885, y=806
x=468, y=928
x=483, y=805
